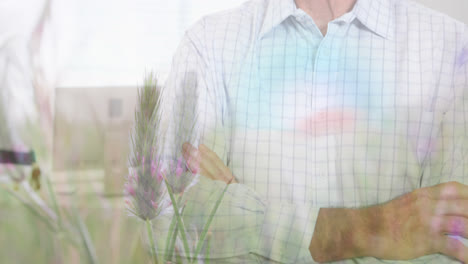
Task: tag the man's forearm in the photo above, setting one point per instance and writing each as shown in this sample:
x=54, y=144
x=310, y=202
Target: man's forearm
x=343, y=233
x=410, y=226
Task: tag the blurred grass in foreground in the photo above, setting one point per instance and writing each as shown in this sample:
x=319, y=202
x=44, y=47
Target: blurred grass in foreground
x=25, y=239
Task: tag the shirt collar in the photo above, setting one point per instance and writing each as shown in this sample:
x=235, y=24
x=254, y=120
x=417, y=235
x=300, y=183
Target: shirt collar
x=377, y=15
x=276, y=12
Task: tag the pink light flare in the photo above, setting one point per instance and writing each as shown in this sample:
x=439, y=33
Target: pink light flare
x=328, y=122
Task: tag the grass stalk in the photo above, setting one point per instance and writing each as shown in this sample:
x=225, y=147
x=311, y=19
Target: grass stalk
x=171, y=238
x=87, y=243
x=180, y=224
x=208, y=223
x=53, y=197
x=149, y=229
x=32, y=209
x=207, y=254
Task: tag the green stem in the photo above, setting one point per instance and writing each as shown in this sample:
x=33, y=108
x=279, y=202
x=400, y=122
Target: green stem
x=149, y=229
x=173, y=241
x=208, y=223
x=54, y=201
x=173, y=229
x=32, y=209
x=88, y=244
x=207, y=254
x=169, y=238
x=179, y=220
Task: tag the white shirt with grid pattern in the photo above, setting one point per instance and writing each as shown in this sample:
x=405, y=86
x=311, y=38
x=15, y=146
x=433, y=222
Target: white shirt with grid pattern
x=371, y=111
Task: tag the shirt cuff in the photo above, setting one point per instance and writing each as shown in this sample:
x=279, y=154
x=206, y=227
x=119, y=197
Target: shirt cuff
x=286, y=232
x=247, y=223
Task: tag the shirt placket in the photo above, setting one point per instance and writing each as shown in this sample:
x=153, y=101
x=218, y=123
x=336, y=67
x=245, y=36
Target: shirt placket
x=324, y=104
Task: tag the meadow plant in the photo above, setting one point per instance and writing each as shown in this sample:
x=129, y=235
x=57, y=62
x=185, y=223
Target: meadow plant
x=25, y=141
x=157, y=182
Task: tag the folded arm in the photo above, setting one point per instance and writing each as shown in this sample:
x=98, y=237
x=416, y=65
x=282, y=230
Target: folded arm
x=407, y=227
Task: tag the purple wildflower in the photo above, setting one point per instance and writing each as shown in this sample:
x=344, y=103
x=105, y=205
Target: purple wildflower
x=179, y=177
x=179, y=169
x=130, y=189
x=160, y=176
x=155, y=205
x=145, y=189
x=153, y=168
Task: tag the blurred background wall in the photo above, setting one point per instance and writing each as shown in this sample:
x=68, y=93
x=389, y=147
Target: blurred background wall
x=455, y=8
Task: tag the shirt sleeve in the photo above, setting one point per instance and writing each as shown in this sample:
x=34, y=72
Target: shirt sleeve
x=245, y=223
x=448, y=159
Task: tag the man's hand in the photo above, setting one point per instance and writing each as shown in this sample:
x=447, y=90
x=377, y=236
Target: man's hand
x=410, y=226
x=207, y=163
x=418, y=223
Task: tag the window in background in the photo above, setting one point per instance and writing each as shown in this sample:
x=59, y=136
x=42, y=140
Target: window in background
x=113, y=42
